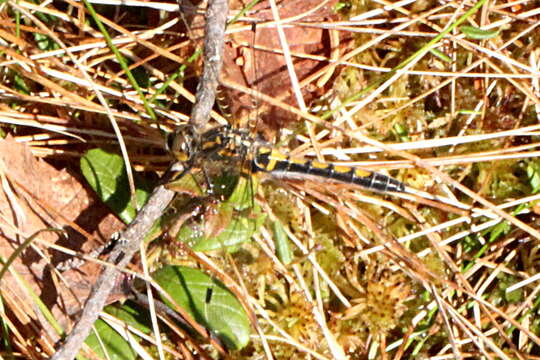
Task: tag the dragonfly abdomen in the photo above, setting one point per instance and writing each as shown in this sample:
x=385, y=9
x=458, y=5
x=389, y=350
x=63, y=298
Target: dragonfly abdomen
x=267, y=159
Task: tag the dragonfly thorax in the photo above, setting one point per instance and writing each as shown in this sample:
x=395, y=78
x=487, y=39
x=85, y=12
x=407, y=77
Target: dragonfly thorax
x=222, y=142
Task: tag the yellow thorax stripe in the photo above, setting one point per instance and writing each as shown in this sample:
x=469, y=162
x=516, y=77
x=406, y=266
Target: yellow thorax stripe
x=212, y=143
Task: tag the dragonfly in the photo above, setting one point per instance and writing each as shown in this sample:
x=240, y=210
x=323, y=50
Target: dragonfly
x=224, y=143
x=237, y=151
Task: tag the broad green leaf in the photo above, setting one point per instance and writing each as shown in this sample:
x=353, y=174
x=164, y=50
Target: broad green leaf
x=208, y=301
x=106, y=174
x=131, y=315
x=239, y=215
x=239, y=229
x=116, y=347
x=186, y=185
x=478, y=34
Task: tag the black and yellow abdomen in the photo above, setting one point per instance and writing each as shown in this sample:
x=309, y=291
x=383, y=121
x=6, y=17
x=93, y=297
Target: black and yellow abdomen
x=267, y=159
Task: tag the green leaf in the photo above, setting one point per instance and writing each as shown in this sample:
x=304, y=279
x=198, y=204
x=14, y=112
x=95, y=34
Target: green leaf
x=342, y=6
x=402, y=132
x=106, y=174
x=20, y=83
x=533, y=172
x=243, y=194
x=441, y=55
x=116, y=347
x=45, y=43
x=240, y=216
x=132, y=315
x=186, y=185
x=478, y=34
x=283, y=245
x=208, y=301
x=499, y=230
x=240, y=229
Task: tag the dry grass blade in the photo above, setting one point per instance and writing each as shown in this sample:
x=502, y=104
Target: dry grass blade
x=443, y=97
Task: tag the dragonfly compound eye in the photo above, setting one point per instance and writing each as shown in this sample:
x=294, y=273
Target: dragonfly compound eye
x=181, y=143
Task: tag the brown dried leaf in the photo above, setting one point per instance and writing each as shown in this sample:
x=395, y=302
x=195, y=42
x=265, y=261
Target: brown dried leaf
x=266, y=71
x=36, y=196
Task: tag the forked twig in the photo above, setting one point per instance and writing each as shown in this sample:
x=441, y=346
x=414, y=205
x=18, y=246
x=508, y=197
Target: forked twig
x=133, y=235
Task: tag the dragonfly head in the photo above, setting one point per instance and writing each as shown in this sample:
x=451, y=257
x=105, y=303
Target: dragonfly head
x=182, y=143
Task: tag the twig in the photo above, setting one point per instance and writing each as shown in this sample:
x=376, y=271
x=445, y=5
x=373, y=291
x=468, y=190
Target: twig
x=133, y=235
x=216, y=16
